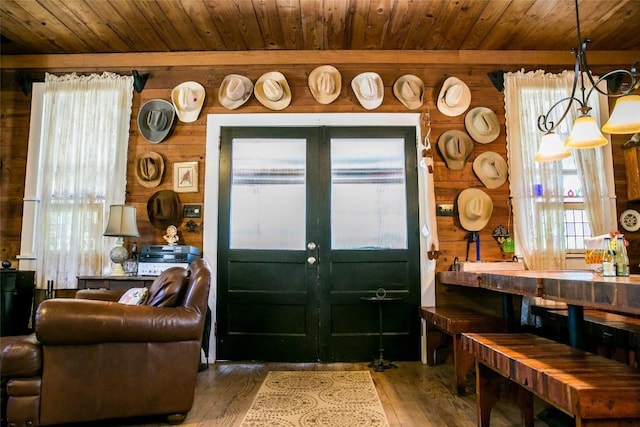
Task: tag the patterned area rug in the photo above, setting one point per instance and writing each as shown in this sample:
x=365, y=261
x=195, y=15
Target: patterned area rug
x=316, y=399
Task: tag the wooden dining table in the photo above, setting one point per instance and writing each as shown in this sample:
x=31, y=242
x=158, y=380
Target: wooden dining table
x=579, y=289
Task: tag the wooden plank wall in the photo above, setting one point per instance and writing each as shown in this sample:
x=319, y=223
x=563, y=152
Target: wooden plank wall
x=186, y=142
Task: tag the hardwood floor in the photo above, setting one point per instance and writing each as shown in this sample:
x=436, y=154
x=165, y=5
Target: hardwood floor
x=412, y=395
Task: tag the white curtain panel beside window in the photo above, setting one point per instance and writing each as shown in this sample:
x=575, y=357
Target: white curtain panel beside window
x=536, y=188
x=81, y=172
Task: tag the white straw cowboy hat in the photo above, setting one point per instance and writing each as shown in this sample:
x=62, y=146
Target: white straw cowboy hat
x=474, y=209
x=369, y=89
x=325, y=83
x=491, y=168
x=409, y=90
x=454, y=97
x=272, y=90
x=149, y=169
x=482, y=124
x=155, y=119
x=456, y=147
x=188, y=98
x=234, y=91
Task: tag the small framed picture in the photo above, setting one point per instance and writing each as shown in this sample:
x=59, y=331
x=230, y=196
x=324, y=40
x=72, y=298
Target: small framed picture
x=185, y=177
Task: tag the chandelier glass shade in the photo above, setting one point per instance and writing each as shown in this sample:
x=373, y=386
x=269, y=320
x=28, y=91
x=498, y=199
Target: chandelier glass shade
x=585, y=134
x=551, y=148
x=625, y=118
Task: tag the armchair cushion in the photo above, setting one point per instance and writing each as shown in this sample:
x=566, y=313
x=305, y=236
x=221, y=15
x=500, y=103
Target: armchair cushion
x=167, y=290
x=134, y=296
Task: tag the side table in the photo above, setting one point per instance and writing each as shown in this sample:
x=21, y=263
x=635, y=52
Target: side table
x=380, y=363
x=114, y=282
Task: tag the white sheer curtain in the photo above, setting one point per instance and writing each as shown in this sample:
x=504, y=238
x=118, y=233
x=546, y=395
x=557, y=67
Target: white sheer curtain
x=537, y=188
x=82, y=171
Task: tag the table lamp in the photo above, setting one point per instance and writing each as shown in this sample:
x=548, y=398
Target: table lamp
x=122, y=223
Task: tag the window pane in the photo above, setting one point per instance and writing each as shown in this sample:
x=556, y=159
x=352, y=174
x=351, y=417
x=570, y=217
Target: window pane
x=268, y=199
x=368, y=205
x=577, y=227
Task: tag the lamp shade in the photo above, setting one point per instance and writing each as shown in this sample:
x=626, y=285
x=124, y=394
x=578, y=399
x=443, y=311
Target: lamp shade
x=625, y=118
x=122, y=221
x=551, y=148
x=585, y=134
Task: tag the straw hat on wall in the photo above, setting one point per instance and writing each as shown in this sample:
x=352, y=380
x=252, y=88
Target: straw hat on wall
x=272, y=90
x=491, y=168
x=482, y=124
x=456, y=147
x=454, y=97
x=325, y=83
x=474, y=209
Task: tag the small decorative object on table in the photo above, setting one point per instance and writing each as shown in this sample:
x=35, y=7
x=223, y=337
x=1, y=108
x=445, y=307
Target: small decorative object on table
x=171, y=235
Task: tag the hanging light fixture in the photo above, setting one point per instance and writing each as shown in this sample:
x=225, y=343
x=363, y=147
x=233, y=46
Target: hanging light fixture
x=625, y=118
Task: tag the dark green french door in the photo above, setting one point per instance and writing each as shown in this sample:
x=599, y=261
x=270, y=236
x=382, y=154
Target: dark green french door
x=311, y=221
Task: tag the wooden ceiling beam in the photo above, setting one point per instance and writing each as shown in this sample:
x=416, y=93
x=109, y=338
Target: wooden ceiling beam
x=107, y=61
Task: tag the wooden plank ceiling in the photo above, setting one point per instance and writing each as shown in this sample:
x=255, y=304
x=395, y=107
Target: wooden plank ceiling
x=120, y=26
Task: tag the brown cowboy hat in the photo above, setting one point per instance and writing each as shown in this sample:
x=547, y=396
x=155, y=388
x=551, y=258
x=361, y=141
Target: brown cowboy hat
x=149, y=169
x=164, y=209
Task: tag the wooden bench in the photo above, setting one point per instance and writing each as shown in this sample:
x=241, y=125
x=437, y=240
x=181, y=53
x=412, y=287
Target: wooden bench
x=611, y=335
x=593, y=389
x=451, y=321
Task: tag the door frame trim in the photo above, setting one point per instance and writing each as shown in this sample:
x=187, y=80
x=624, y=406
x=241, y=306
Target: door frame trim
x=426, y=196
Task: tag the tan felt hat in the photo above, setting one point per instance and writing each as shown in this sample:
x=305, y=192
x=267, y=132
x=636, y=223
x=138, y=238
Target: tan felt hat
x=325, y=83
x=482, y=124
x=491, y=168
x=409, y=90
x=234, y=91
x=149, y=169
x=456, y=147
x=272, y=90
x=474, y=209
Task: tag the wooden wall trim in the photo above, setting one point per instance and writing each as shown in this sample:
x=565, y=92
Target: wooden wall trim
x=297, y=57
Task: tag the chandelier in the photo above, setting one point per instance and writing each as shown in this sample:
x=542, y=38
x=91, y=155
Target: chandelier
x=625, y=118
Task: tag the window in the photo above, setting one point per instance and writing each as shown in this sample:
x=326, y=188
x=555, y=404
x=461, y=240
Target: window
x=576, y=223
x=76, y=169
x=553, y=208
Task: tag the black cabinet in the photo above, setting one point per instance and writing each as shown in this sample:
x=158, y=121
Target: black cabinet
x=17, y=301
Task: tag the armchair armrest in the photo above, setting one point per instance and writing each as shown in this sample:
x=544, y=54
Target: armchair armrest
x=101, y=294
x=77, y=321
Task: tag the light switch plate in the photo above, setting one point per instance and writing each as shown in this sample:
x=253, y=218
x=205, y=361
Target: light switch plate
x=192, y=211
x=444, y=210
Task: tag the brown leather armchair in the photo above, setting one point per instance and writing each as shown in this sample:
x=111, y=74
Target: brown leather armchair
x=95, y=359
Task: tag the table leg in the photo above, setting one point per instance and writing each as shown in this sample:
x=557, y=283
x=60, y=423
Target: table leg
x=507, y=311
x=575, y=322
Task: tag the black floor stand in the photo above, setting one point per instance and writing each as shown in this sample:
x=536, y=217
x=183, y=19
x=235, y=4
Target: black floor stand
x=380, y=364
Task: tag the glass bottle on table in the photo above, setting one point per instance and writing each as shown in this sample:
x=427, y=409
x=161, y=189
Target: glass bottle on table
x=608, y=259
x=622, y=258
x=131, y=265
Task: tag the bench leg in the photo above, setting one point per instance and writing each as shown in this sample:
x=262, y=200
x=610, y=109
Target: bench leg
x=462, y=364
x=487, y=392
x=525, y=402
x=434, y=339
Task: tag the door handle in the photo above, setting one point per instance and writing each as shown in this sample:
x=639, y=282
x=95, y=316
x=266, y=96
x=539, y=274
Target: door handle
x=311, y=246
x=311, y=260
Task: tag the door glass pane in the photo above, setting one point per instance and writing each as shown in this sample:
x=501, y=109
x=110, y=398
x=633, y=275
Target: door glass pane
x=268, y=194
x=368, y=206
